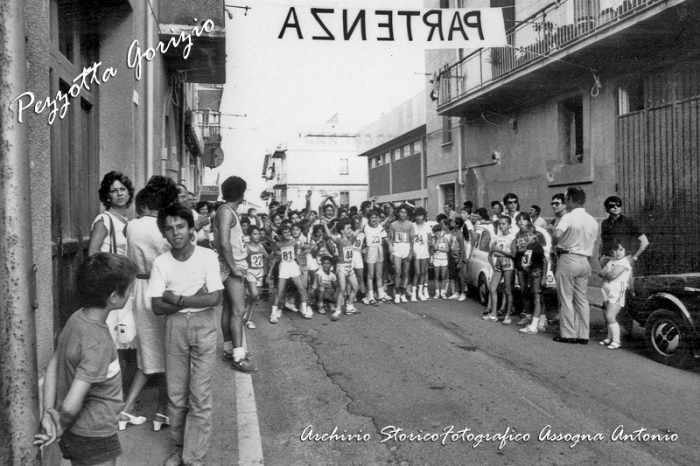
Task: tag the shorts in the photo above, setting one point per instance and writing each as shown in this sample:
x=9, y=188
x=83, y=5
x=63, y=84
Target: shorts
x=289, y=270
x=533, y=279
x=421, y=251
x=504, y=264
x=89, y=450
x=254, y=276
x=328, y=295
x=440, y=262
x=357, y=262
x=614, y=293
x=225, y=271
x=345, y=268
x=375, y=255
x=401, y=250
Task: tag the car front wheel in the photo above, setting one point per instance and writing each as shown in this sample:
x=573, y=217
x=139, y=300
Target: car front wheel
x=668, y=339
x=483, y=290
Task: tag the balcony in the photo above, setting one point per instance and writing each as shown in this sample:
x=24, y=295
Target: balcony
x=209, y=123
x=206, y=62
x=550, y=51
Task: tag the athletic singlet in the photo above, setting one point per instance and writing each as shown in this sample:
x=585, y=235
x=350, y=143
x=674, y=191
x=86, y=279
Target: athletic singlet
x=373, y=236
x=299, y=243
x=421, y=235
x=238, y=247
x=287, y=252
x=402, y=231
x=344, y=250
x=255, y=257
x=503, y=242
x=358, y=242
x=441, y=248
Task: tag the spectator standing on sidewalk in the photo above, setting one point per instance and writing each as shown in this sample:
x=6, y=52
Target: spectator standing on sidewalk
x=619, y=226
x=185, y=285
x=559, y=208
x=573, y=240
x=535, y=216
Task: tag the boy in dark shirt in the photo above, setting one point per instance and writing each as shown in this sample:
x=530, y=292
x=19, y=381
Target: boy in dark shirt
x=83, y=386
x=531, y=260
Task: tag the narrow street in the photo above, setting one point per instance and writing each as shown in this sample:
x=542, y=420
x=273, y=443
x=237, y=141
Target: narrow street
x=424, y=369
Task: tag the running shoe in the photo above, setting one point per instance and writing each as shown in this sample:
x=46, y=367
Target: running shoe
x=351, y=310
x=397, y=298
x=454, y=296
x=462, y=297
x=403, y=298
x=528, y=330
x=488, y=316
x=507, y=320
x=525, y=320
x=335, y=316
x=291, y=307
x=250, y=324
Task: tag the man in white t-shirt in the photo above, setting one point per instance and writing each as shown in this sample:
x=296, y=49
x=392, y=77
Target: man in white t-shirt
x=573, y=241
x=184, y=286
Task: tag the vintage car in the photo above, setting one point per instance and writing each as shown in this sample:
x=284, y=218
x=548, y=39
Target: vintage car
x=668, y=307
x=479, y=270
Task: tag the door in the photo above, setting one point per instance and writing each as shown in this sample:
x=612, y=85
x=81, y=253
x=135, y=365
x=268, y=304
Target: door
x=74, y=157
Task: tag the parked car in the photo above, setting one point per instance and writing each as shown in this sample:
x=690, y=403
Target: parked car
x=668, y=307
x=479, y=270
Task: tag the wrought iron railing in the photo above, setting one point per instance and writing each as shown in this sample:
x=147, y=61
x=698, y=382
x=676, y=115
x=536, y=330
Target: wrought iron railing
x=209, y=123
x=552, y=29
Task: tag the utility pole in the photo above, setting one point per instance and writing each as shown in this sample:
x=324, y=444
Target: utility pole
x=19, y=399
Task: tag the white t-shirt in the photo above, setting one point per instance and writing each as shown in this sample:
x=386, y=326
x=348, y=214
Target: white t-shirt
x=580, y=231
x=185, y=278
x=624, y=276
x=325, y=279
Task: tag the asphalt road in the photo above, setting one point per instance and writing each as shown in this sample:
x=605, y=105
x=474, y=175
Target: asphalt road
x=399, y=384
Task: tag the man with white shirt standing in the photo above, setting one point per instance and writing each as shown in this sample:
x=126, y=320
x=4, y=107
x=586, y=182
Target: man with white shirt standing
x=573, y=240
x=185, y=285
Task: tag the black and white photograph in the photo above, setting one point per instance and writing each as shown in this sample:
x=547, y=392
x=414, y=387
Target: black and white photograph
x=349, y=232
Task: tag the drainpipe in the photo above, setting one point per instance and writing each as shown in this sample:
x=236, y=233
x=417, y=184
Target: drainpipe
x=460, y=135
x=19, y=409
x=149, y=91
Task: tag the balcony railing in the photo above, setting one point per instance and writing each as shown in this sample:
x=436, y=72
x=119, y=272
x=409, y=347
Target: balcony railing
x=209, y=123
x=552, y=29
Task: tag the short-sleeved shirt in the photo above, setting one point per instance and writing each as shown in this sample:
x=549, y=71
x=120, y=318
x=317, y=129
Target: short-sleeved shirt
x=85, y=351
x=580, y=232
x=325, y=279
x=185, y=278
x=530, y=258
x=623, y=228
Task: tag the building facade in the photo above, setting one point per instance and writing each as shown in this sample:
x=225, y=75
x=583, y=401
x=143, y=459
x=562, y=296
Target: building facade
x=396, y=152
x=119, y=87
x=319, y=159
x=583, y=95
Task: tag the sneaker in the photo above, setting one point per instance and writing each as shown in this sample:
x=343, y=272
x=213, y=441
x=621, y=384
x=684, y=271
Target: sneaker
x=454, y=296
x=351, y=310
x=397, y=298
x=422, y=296
x=335, y=316
x=250, y=324
x=414, y=297
x=507, y=320
x=176, y=458
x=426, y=294
x=291, y=307
x=331, y=308
x=528, y=330
x=322, y=309
x=373, y=302
x=443, y=294
x=275, y=317
x=226, y=355
x=307, y=315
x=245, y=365
x=542, y=328
x=525, y=320
x=403, y=298
x=366, y=301
x=488, y=316
x=437, y=295
x=462, y=297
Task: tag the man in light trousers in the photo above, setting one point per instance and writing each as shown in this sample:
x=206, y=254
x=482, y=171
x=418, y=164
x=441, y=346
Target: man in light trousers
x=573, y=239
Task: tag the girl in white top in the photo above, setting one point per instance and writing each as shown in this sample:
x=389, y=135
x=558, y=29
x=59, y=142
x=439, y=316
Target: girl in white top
x=441, y=248
x=616, y=274
x=285, y=252
x=501, y=259
x=375, y=236
x=421, y=247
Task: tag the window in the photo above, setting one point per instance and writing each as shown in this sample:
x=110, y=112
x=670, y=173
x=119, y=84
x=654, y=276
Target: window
x=417, y=146
x=395, y=154
x=446, y=129
x=571, y=129
x=345, y=198
x=630, y=98
x=344, y=167
x=485, y=241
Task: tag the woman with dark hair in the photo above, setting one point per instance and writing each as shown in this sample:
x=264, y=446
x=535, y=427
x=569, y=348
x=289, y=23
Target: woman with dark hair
x=202, y=209
x=107, y=234
x=144, y=243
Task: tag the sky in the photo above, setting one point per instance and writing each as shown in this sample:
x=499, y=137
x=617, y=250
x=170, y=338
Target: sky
x=282, y=85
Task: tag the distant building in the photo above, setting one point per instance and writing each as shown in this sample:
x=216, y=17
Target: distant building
x=319, y=159
x=395, y=151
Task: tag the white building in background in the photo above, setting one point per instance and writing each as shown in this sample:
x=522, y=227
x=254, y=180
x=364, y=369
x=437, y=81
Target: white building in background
x=318, y=159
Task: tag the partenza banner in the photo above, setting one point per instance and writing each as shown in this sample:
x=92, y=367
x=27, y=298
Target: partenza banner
x=432, y=29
